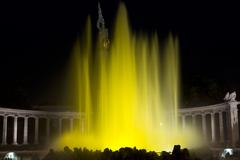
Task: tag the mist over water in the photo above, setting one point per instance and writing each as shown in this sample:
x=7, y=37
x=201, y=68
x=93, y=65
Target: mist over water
x=128, y=92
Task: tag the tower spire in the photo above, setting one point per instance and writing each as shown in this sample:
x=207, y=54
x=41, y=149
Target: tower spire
x=100, y=21
x=103, y=32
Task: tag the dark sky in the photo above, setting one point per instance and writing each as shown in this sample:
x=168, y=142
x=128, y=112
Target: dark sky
x=36, y=39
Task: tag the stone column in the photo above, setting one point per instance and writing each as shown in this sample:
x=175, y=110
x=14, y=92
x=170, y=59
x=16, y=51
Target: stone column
x=221, y=127
x=194, y=120
x=60, y=126
x=71, y=124
x=36, y=131
x=234, y=121
x=183, y=121
x=25, y=132
x=213, y=128
x=15, y=130
x=229, y=130
x=204, y=126
x=47, y=129
x=4, y=137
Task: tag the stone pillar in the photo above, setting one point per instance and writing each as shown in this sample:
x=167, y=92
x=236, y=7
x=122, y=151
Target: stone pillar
x=213, y=128
x=229, y=130
x=25, y=131
x=71, y=124
x=47, y=129
x=15, y=130
x=221, y=127
x=194, y=120
x=204, y=126
x=183, y=121
x=234, y=121
x=36, y=131
x=60, y=126
x=4, y=137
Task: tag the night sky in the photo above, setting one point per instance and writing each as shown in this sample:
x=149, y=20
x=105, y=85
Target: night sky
x=36, y=40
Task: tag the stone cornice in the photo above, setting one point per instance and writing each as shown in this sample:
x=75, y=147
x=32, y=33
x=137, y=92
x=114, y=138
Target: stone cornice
x=40, y=114
x=221, y=107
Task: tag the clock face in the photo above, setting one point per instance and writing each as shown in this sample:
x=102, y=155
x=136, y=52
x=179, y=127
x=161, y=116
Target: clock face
x=106, y=43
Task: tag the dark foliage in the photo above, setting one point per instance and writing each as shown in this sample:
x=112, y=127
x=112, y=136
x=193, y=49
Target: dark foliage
x=121, y=154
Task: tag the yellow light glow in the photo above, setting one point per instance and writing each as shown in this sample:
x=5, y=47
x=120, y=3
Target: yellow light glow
x=129, y=92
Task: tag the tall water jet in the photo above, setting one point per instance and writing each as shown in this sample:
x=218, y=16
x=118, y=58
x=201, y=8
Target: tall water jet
x=128, y=90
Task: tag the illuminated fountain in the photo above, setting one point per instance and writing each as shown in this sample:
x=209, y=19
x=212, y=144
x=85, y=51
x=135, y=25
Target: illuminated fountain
x=129, y=90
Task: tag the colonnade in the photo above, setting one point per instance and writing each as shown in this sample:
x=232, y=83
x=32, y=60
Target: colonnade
x=5, y=113
x=15, y=128
x=227, y=125
x=204, y=124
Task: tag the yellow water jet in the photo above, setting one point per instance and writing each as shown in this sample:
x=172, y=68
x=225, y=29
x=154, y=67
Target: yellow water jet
x=129, y=92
